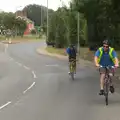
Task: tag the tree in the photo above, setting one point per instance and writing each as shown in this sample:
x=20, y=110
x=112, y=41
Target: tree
x=9, y=21
x=63, y=27
x=34, y=13
x=20, y=24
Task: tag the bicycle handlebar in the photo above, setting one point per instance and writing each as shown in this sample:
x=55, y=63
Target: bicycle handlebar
x=107, y=66
x=113, y=67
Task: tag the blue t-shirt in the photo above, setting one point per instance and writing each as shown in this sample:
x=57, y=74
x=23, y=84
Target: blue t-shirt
x=72, y=53
x=105, y=59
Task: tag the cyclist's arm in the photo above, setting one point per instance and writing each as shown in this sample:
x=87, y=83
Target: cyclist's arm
x=116, y=58
x=96, y=57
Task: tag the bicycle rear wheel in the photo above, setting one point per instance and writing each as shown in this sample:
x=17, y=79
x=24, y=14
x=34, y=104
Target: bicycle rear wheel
x=72, y=75
x=106, y=99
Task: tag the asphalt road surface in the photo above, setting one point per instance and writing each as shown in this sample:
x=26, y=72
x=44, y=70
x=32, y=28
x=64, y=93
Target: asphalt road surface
x=37, y=87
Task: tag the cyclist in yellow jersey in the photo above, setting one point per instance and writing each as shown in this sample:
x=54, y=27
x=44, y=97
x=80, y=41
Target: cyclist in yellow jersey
x=105, y=56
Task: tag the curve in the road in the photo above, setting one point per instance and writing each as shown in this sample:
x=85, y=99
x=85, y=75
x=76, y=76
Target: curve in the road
x=21, y=65
x=54, y=96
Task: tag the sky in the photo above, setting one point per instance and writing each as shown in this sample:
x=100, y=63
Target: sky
x=13, y=5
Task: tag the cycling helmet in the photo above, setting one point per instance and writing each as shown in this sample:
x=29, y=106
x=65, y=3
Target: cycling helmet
x=106, y=42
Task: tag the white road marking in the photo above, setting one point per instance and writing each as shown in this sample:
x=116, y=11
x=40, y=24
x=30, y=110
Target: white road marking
x=19, y=63
x=55, y=65
x=5, y=105
x=34, y=75
x=29, y=88
x=26, y=67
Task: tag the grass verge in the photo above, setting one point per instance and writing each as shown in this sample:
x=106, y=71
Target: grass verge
x=24, y=38
x=56, y=51
x=85, y=53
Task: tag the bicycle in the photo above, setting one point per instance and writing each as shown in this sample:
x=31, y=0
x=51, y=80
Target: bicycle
x=72, y=68
x=107, y=80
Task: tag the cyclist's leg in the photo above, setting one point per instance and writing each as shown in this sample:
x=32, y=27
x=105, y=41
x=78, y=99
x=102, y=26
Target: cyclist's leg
x=112, y=90
x=69, y=64
x=75, y=66
x=102, y=76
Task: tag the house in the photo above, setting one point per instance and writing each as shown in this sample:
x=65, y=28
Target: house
x=30, y=23
x=30, y=26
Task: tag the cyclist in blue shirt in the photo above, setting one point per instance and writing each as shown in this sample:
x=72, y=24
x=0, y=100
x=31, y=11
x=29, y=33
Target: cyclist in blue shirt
x=105, y=56
x=71, y=51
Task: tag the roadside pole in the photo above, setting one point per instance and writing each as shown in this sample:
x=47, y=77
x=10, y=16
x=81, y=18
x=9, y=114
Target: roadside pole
x=78, y=33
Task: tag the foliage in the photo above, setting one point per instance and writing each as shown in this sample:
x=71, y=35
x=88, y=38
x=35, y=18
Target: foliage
x=102, y=19
x=33, y=31
x=63, y=27
x=34, y=12
x=9, y=21
x=99, y=20
x=20, y=25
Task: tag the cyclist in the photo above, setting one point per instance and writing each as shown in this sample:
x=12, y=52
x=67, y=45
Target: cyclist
x=71, y=51
x=105, y=56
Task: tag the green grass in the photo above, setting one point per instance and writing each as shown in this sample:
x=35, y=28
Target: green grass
x=118, y=53
x=56, y=51
x=86, y=54
x=2, y=37
x=24, y=38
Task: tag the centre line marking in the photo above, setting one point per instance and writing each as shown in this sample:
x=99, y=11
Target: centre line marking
x=19, y=63
x=29, y=87
x=34, y=75
x=26, y=67
x=5, y=105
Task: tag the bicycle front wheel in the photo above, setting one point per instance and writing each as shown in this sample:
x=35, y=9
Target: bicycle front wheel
x=106, y=93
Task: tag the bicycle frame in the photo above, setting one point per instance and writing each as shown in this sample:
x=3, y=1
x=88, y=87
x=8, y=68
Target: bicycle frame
x=107, y=81
x=72, y=68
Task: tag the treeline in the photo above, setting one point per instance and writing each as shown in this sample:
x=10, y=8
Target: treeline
x=8, y=21
x=34, y=13
x=18, y=25
x=99, y=20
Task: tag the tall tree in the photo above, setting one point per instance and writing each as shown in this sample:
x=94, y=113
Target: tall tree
x=33, y=12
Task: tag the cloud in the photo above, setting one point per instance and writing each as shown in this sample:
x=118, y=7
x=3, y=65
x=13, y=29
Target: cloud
x=13, y=5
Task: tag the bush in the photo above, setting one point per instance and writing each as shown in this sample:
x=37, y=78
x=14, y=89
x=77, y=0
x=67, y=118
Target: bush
x=33, y=31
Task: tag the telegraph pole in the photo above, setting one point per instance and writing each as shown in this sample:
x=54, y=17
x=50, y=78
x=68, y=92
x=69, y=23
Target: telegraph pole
x=47, y=22
x=78, y=34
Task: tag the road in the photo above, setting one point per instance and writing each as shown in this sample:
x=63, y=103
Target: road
x=37, y=87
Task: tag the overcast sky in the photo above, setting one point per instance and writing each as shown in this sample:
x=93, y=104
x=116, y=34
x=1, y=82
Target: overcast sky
x=13, y=5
